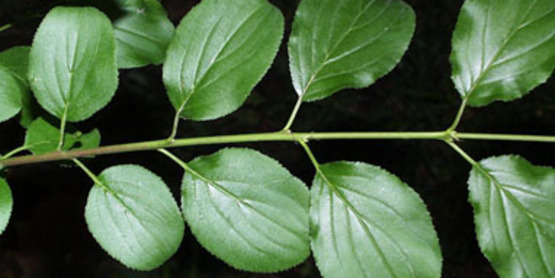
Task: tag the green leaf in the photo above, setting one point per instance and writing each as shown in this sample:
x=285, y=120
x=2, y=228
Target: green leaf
x=42, y=137
x=346, y=44
x=220, y=51
x=513, y=204
x=6, y=204
x=72, y=66
x=86, y=141
x=11, y=91
x=502, y=49
x=133, y=216
x=247, y=210
x=366, y=222
x=16, y=61
x=142, y=34
x=27, y=113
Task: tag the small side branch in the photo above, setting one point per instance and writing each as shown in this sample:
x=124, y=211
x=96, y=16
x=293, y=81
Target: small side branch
x=458, y=118
x=63, y=129
x=89, y=173
x=293, y=114
x=463, y=154
x=14, y=152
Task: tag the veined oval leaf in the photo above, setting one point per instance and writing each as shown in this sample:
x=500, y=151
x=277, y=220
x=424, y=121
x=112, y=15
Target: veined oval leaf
x=143, y=33
x=220, y=51
x=42, y=137
x=346, y=44
x=365, y=222
x=247, y=210
x=11, y=91
x=72, y=66
x=6, y=205
x=514, y=205
x=16, y=61
x=502, y=49
x=134, y=217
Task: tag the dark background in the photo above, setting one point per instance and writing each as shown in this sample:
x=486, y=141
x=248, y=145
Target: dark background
x=47, y=236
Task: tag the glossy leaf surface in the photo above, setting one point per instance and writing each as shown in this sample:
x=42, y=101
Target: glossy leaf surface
x=502, y=49
x=346, y=44
x=513, y=204
x=365, y=222
x=247, y=210
x=133, y=216
x=143, y=33
x=11, y=91
x=42, y=137
x=220, y=51
x=6, y=204
x=72, y=66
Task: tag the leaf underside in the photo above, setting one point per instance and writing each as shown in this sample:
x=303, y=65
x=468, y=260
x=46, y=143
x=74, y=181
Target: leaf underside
x=365, y=222
x=247, y=210
x=502, y=49
x=513, y=204
x=346, y=44
x=133, y=216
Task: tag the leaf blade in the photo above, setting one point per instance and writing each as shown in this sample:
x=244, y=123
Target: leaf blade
x=142, y=34
x=72, y=66
x=332, y=40
x=42, y=137
x=6, y=204
x=134, y=217
x=16, y=61
x=220, y=51
x=263, y=208
x=11, y=91
x=364, y=221
x=512, y=201
x=502, y=49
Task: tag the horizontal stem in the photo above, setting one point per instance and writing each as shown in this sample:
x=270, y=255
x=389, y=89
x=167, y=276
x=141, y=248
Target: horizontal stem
x=214, y=140
x=263, y=137
x=505, y=137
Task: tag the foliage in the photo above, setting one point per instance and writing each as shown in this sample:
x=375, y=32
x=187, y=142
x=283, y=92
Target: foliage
x=254, y=202
x=133, y=216
x=244, y=207
x=512, y=201
x=220, y=51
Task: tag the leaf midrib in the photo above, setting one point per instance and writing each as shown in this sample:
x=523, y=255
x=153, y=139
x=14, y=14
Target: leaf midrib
x=334, y=47
x=198, y=64
x=532, y=218
x=485, y=69
x=238, y=199
x=360, y=218
x=119, y=200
